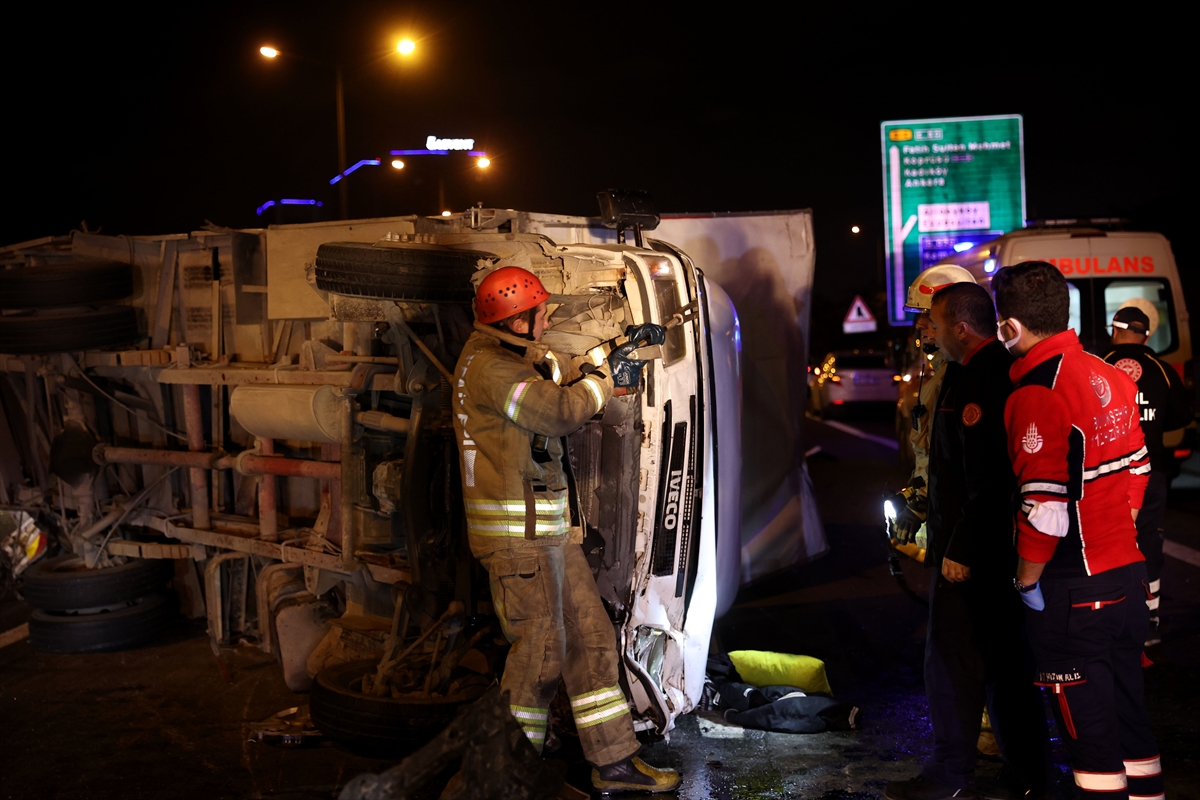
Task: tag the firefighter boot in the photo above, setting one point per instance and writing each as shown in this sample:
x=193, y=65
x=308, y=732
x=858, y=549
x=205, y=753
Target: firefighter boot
x=634, y=775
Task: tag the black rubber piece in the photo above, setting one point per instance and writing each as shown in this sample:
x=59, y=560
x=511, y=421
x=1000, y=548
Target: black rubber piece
x=76, y=283
x=63, y=583
x=380, y=727
x=420, y=273
x=22, y=334
x=64, y=632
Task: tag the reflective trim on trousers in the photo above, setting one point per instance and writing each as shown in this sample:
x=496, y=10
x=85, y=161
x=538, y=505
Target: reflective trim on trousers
x=1101, y=781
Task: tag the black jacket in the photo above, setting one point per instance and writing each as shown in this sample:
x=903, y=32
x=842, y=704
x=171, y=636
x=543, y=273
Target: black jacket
x=1161, y=396
x=971, y=482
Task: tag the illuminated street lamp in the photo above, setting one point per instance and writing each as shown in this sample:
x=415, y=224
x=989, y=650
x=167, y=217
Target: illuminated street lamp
x=484, y=162
x=397, y=164
x=854, y=229
x=404, y=48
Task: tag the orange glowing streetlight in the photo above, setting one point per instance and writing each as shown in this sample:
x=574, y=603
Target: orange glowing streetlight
x=484, y=162
x=406, y=47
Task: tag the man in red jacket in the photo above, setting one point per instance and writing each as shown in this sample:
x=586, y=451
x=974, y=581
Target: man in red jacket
x=1081, y=464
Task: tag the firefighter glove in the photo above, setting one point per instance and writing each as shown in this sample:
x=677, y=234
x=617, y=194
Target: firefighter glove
x=649, y=333
x=626, y=371
x=911, y=516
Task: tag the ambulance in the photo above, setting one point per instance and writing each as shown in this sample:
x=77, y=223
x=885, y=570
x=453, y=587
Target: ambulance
x=1104, y=270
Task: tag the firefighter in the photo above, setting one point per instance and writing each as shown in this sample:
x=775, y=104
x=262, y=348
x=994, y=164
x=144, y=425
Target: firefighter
x=513, y=405
x=914, y=497
x=1081, y=465
x=974, y=649
x=1164, y=407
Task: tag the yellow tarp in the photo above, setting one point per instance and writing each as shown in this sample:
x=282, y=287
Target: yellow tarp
x=761, y=668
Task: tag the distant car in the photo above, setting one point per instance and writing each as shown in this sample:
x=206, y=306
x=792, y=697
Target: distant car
x=854, y=376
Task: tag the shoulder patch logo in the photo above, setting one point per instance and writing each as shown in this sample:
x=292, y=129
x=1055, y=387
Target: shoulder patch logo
x=1102, y=389
x=971, y=414
x=1130, y=367
x=1031, y=442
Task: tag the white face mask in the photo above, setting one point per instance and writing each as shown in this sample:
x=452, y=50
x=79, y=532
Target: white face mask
x=1009, y=344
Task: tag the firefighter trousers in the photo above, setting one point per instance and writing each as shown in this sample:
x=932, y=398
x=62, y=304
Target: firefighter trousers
x=1088, y=646
x=548, y=604
x=1150, y=535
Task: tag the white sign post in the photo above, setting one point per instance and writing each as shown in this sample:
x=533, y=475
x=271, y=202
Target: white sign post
x=859, y=318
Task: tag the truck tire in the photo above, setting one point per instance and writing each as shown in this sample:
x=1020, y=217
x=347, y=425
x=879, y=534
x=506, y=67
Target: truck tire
x=63, y=583
x=27, y=334
x=383, y=727
x=418, y=273
x=66, y=632
x=75, y=283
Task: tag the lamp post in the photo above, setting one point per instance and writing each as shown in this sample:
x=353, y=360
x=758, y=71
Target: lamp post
x=404, y=48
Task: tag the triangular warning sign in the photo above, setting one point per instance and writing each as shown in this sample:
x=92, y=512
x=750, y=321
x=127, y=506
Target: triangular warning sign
x=859, y=318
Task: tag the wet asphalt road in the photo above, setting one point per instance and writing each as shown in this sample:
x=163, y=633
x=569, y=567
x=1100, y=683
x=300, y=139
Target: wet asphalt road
x=162, y=721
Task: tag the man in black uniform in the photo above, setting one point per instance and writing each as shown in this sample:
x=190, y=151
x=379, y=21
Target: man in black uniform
x=975, y=651
x=1164, y=404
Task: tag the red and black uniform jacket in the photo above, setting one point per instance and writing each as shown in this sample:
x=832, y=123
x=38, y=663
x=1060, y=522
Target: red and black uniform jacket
x=971, y=481
x=1079, y=456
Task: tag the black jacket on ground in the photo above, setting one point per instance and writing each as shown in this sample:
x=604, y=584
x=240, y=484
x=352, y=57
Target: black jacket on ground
x=1161, y=397
x=971, y=481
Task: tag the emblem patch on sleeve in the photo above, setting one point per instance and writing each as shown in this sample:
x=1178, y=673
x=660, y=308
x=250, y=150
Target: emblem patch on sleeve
x=971, y=414
x=1031, y=442
x=1130, y=367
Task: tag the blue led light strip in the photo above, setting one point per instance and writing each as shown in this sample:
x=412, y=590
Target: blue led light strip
x=366, y=162
x=287, y=201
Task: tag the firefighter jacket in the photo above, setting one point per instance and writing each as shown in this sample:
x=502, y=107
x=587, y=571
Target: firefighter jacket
x=1079, y=456
x=510, y=414
x=931, y=386
x=1161, y=397
x=971, y=481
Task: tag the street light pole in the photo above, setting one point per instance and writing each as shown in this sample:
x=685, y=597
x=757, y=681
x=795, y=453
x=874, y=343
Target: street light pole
x=343, y=184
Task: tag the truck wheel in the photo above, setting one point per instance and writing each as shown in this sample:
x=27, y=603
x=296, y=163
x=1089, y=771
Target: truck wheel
x=382, y=727
x=25, y=334
x=63, y=583
x=72, y=284
x=102, y=631
x=419, y=273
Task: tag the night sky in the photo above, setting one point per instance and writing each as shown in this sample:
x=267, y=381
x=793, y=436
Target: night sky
x=153, y=122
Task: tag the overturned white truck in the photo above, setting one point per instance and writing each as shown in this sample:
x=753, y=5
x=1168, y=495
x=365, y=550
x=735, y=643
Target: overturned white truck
x=269, y=409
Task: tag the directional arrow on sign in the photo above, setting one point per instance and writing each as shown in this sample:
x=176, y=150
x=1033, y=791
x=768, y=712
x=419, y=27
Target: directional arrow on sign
x=859, y=318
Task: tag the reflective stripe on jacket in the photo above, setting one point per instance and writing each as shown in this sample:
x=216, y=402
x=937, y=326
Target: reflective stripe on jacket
x=510, y=413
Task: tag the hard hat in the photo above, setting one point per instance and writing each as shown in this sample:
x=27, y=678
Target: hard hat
x=508, y=291
x=920, y=292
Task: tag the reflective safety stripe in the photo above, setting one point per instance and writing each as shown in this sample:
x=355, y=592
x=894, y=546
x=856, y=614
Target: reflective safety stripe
x=603, y=714
x=507, y=517
x=555, y=369
x=1143, y=767
x=1152, y=603
x=596, y=698
x=1159, y=796
x=1096, y=605
x=1043, y=486
x=1155, y=586
x=600, y=706
x=1116, y=465
x=533, y=721
x=1101, y=781
x=597, y=393
x=494, y=528
x=469, y=466
x=512, y=406
x=505, y=507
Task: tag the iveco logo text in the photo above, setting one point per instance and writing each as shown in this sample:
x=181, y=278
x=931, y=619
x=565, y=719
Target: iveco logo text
x=671, y=512
x=434, y=143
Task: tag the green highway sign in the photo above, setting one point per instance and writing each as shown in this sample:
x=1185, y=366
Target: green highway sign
x=948, y=185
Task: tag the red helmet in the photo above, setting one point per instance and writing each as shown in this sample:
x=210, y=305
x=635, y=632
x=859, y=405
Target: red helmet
x=507, y=291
